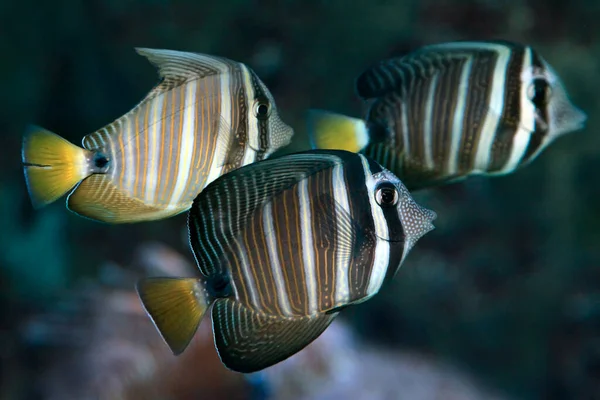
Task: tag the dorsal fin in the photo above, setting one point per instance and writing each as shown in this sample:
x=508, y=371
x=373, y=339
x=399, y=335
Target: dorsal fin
x=178, y=67
x=400, y=74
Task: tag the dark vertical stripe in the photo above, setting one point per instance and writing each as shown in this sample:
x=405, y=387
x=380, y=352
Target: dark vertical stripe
x=263, y=124
x=446, y=103
x=541, y=131
x=287, y=225
x=477, y=108
x=511, y=115
x=258, y=257
x=416, y=100
x=363, y=258
x=396, y=253
x=242, y=103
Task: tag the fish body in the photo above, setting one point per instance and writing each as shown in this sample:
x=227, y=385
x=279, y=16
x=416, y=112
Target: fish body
x=207, y=116
x=283, y=245
x=452, y=110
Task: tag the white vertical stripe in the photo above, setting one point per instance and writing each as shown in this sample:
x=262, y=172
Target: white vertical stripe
x=94, y=142
x=219, y=157
x=459, y=113
x=118, y=129
x=153, y=147
x=308, y=256
x=188, y=136
x=102, y=137
x=527, y=116
x=112, y=155
x=340, y=194
x=382, y=246
x=242, y=253
x=428, y=134
x=129, y=142
x=269, y=232
x=496, y=106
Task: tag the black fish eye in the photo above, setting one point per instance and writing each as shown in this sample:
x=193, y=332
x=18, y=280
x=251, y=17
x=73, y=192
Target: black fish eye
x=539, y=92
x=262, y=108
x=386, y=195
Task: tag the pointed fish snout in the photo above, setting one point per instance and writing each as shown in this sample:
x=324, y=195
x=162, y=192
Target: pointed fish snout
x=578, y=118
x=428, y=216
x=416, y=220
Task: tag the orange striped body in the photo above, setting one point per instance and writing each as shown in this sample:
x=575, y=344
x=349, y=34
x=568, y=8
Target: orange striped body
x=208, y=116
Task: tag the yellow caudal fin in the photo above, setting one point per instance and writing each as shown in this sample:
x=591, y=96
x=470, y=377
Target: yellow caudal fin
x=52, y=165
x=176, y=306
x=327, y=130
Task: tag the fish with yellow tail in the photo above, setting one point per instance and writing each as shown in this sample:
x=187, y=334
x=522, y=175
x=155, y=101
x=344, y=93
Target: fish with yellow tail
x=283, y=245
x=449, y=111
x=208, y=115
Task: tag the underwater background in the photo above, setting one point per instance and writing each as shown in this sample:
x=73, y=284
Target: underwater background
x=500, y=301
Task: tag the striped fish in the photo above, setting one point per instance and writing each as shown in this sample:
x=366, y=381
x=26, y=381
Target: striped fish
x=452, y=110
x=207, y=116
x=283, y=245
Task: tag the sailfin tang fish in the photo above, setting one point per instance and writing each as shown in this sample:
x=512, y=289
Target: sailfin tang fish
x=208, y=115
x=451, y=110
x=283, y=245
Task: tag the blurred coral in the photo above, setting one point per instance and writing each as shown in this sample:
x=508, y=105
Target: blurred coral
x=105, y=347
x=340, y=366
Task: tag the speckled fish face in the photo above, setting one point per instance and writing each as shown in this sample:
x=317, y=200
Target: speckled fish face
x=402, y=219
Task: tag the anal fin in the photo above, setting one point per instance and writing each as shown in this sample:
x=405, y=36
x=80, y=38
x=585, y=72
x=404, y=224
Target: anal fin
x=248, y=341
x=99, y=199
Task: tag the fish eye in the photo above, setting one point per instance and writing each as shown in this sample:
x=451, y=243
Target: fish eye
x=539, y=92
x=262, y=108
x=387, y=195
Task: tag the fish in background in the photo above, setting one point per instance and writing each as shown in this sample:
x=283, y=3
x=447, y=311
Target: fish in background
x=207, y=116
x=453, y=110
x=283, y=245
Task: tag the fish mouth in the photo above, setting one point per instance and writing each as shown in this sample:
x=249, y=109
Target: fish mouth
x=390, y=240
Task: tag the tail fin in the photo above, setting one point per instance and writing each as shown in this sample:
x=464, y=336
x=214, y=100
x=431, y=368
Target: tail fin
x=52, y=165
x=328, y=130
x=176, y=306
